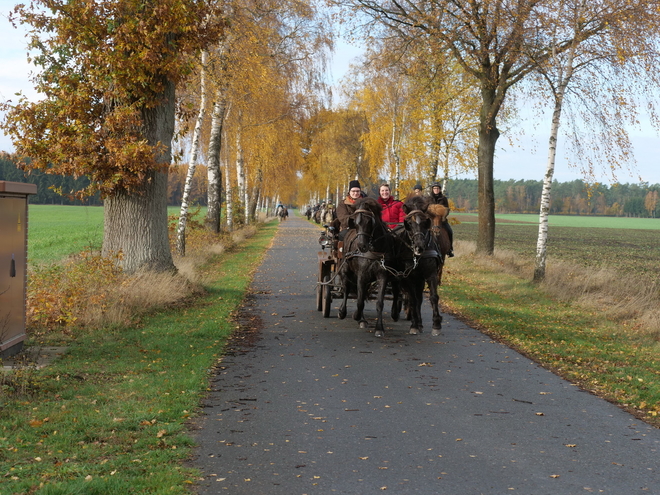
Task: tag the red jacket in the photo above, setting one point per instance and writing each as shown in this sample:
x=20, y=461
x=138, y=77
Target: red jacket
x=392, y=211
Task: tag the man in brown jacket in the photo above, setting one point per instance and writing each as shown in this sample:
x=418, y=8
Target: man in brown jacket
x=347, y=207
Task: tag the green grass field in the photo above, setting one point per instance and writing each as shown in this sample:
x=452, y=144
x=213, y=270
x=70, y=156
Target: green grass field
x=571, y=221
x=58, y=231
x=586, y=241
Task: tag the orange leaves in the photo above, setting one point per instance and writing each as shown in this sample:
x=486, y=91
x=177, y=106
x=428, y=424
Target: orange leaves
x=60, y=296
x=104, y=65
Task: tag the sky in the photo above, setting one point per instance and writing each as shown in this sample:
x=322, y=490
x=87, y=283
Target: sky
x=525, y=160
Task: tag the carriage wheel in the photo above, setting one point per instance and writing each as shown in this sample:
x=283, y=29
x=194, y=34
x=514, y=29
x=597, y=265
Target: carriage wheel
x=319, y=287
x=319, y=297
x=327, y=296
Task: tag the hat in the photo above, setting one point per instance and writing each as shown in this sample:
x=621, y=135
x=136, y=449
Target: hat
x=418, y=186
x=436, y=184
x=354, y=183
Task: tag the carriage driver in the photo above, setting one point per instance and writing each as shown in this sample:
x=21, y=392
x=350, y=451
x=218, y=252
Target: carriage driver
x=440, y=199
x=346, y=208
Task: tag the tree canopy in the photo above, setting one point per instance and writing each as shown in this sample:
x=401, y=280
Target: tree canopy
x=102, y=66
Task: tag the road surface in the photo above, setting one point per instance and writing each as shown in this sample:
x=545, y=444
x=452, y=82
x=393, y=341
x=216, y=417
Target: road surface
x=309, y=405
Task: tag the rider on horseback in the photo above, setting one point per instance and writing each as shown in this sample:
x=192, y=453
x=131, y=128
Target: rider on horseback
x=440, y=199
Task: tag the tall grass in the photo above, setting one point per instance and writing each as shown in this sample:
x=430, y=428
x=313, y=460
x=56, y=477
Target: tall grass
x=631, y=301
x=74, y=287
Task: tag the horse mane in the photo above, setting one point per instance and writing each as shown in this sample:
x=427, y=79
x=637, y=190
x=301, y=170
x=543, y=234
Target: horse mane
x=415, y=202
x=369, y=204
x=439, y=211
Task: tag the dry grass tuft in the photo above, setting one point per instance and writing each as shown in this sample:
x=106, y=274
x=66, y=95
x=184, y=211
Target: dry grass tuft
x=138, y=294
x=245, y=233
x=632, y=301
x=90, y=291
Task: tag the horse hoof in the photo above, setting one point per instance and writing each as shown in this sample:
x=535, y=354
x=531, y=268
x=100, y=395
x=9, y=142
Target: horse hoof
x=364, y=324
x=380, y=333
x=435, y=332
x=413, y=331
x=395, y=317
x=341, y=315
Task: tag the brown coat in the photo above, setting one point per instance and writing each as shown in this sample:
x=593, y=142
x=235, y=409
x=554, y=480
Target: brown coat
x=344, y=210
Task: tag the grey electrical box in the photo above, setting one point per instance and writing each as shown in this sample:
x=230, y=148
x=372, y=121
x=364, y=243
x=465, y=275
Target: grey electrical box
x=13, y=264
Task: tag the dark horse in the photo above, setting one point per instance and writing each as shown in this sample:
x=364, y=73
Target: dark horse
x=369, y=254
x=283, y=213
x=422, y=265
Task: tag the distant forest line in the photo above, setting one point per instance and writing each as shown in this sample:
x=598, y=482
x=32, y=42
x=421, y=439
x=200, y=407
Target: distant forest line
x=512, y=196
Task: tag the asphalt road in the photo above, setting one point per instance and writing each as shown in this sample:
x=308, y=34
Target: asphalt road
x=312, y=405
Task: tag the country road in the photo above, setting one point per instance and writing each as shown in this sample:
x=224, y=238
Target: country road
x=313, y=405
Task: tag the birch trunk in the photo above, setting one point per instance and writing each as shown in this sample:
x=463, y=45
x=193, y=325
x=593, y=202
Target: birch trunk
x=240, y=173
x=542, y=240
x=214, y=173
x=192, y=162
x=229, y=199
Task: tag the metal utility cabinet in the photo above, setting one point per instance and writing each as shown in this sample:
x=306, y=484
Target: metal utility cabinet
x=13, y=264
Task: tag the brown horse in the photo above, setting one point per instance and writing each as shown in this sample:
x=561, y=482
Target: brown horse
x=438, y=214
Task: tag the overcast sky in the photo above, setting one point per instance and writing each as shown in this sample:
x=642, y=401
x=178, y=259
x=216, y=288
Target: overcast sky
x=526, y=160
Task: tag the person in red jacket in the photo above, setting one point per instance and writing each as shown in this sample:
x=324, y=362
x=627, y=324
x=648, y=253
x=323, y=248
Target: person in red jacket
x=393, y=213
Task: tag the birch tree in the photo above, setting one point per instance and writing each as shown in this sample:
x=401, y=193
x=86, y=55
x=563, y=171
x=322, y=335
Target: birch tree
x=498, y=44
x=214, y=170
x=192, y=161
x=604, y=71
x=271, y=64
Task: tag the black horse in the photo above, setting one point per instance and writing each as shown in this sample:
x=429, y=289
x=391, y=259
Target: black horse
x=369, y=256
x=421, y=265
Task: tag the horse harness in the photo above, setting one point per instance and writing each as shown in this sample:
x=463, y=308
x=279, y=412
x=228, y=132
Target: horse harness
x=430, y=245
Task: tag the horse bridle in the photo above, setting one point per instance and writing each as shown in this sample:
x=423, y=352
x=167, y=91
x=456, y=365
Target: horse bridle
x=425, y=237
x=372, y=216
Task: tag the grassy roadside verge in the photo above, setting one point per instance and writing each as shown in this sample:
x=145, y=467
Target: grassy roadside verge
x=109, y=417
x=582, y=345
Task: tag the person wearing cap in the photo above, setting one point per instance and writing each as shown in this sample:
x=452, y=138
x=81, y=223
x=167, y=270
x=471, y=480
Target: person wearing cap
x=346, y=208
x=440, y=199
x=417, y=190
x=393, y=213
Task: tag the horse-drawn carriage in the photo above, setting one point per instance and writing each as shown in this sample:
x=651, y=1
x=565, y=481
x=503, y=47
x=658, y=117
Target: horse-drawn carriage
x=373, y=257
x=328, y=260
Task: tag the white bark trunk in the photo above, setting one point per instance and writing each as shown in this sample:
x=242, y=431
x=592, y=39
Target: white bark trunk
x=240, y=174
x=192, y=162
x=214, y=174
x=542, y=240
x=229, y=200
